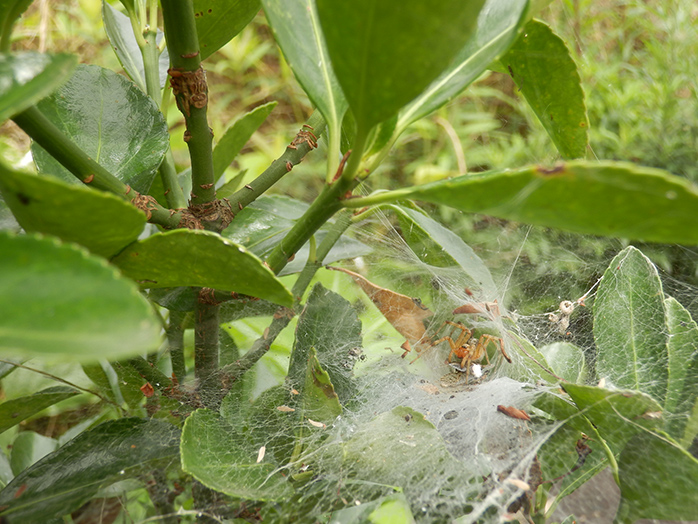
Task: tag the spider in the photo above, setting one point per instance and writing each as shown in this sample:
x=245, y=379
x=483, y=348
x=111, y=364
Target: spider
x=468, y=349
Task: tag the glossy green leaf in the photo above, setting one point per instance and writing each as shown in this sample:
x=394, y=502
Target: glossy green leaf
x=329, y=326
x=682, y=346
x=629, y=325
x=566, y=361
x=497, y=27
x=120, y=33
x=617, y=415
x=263, y=224
x=111, y=120
x=297, y=30
x=386, y=53
x=658, y=480
x=236, y=136
x=62, y=481
x=213, y=453
x=27, y=77
x=599, y=198
x=218, y=21
x=14, y=411
x=101, y=222
x=60, y=302
x=186, y=257
x=320, y=402
x=436, y=245
x=547, y=77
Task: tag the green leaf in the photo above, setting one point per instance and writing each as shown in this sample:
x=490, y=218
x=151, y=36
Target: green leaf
x=629, y=325
x=566, y=361
x=58, y=301
x=658, y=480
x=101, y=222
x=547, y=77
x=297, y=30
x=262, y=225
x=497, y=26
x=320, y=402
x=111, y=120
x=436, y=245
x=10, y=11
x=213, y=453
x=62, y=481
x=392, y=509
x=218, y=21
x=682, y=346
x=328, y=325
x=120, y=33
x=27, y=448
x=386, y=53
x=638, y=202
x=14, y=411
x=236, y=136
x=27, y=77
x=187, y=257
x=618, y=414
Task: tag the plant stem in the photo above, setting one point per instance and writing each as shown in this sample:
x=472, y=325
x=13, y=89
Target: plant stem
x=191, y=92
x=153, y=375
x=175, y=340
x=206, y=351
x=282, y=319
x=57, y=144
x=278, y=168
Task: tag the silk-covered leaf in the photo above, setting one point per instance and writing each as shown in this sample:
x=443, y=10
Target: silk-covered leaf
x=14, y=411
x=110, y=119
x=629, y=325
x=61, y=303
x=186, y=257
x=214, y=454
x=70, y=476
x=101, y=222
x=27, y=77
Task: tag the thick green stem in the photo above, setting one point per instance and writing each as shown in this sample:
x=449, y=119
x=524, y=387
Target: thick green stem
x=206, y=350
x=278, y=168
x=175, y=340
x=191, y=92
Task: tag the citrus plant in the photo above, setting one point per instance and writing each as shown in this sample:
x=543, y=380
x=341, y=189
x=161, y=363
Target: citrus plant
x=119, y=259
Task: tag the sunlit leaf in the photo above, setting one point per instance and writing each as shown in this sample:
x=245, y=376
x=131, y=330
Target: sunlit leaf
x=62, y=481
x=101, y=222
x=386, y=53
x=629, y=328
x=185, y=257
x=393, y=509
x=60, y=302
x=497, y=26
x=599, y=198
x=547, y=77
x=218, y=21
x=27, y=77
x=213, y=453
x=112, y=121
x=566, y=361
